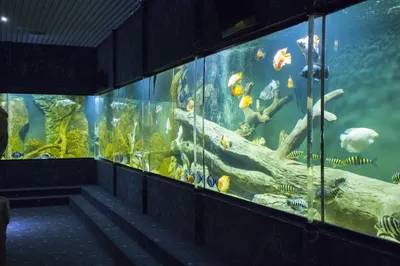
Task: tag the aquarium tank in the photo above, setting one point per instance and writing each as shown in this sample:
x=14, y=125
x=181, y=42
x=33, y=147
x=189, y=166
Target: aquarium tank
x=45, y=126
x=362, y=145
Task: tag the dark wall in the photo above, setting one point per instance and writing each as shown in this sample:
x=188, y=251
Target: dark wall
x=47, y=173
x=105, y=63
x=129, y=50
x=170, y=32
x=33, y=68
x=130, y=186
x=105, y=175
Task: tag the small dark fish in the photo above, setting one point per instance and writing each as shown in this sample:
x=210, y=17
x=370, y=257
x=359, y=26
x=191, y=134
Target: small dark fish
x=211, y=181
x=339, y=181
x=388, y=225
x=297, y=204
x=317, y=72
x=330, y=194
x=17, y=155
x=199, y=177
x=357, y=160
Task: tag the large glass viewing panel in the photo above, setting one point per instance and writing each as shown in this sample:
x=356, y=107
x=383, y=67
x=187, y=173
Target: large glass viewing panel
x=170, y=116
x=255, y=125
x=45, y=126
x=362, y=47
x=106, y=124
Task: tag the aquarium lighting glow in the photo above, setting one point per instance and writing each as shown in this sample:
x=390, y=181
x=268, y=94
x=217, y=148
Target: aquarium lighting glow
x=4, y=19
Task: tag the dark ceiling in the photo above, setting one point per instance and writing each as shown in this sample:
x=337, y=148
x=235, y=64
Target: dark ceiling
x=63, y=22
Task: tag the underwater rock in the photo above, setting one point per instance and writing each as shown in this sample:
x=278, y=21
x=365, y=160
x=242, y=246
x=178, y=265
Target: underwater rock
x=78, y=136
x=364, y=199
x=18, y=121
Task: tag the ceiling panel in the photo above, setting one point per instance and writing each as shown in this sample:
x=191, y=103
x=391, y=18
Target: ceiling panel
x=63, y=22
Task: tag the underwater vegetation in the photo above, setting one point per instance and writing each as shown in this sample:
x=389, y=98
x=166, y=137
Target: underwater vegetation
x=46, y=127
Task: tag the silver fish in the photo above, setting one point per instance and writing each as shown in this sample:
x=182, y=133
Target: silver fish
x=118, y=105
x=297, y=204
x=65, y=102
x=268, y=92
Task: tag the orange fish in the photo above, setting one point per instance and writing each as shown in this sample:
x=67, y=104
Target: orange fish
x=179, y=173
x=190, y=178
x=290, y=83
x=190, y=106
x=245, y=102
x=237, y=91
x=223, y=183
x=282, y=58
x=316, y=41
x=260, y=54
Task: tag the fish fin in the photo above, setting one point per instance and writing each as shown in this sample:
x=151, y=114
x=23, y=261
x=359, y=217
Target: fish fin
x=343, y=140
x=329, y=116
x=288, y=58
x=348, y=131
x=374, y=162
x=317, y=79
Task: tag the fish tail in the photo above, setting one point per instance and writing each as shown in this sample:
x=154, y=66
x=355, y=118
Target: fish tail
x=373, y=161
x=288, y=58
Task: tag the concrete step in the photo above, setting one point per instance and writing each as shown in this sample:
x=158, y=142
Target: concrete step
x=40, y=191
x=27, y=202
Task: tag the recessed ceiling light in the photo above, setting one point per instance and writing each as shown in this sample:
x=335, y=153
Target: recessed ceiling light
x=4, y=19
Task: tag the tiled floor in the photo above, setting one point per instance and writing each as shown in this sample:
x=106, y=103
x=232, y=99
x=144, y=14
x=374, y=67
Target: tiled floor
x=52, y=236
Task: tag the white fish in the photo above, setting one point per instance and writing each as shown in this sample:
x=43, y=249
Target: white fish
x=168, y=126
x=118, y=105
x=64, y=102
x=268, y=92
x=115, y=121
x=303, y=46
x=158, y=108
x=355, y=140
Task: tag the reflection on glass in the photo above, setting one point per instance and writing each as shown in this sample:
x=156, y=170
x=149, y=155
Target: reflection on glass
x=170, y=123
x=364, y=61
x=254, y=96
x=49, y=126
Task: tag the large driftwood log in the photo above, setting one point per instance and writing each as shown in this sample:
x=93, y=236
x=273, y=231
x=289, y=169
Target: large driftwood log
x=260, y=170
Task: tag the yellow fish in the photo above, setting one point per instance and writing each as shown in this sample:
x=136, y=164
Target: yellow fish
x=260, y=54
x=225, y=144
x=179, y=173
x=357, y=160
x=237, y=91
x=294, y=154
x=190, y=106
x=290, y=83
x=281, y=58
x=316, y=41
x=235, y=79
x=245, y=102
x=223, y=183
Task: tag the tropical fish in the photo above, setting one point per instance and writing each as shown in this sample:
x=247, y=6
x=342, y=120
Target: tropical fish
x=45, y=156
x=17, y=155
x=190, y=106
x=225, y=143
x=65, y=102
x=211, y=181
x=268, y=92
x=260, y=54
x=115, y=121
x=245, y=102
x=158, y=108
x=288, y=189
x=355, y=140
x=330, y=194
x=118, y=105
x=303, y=46
x=388, y=225
x=294, y=154
x=281, y=58
x=317, y=72
x=259, y=141
x=179, y=172
x=224, y=183
x=235, y=79
x=335, y=161
x=357, y=160
x=199, y=177
x=315, y=157
x=179, y=135
x=237, y=91
x=297, y=204
x=396, y=177
x=290, y=83
x=168, y=126
x=190, y=177
x=339, y=181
